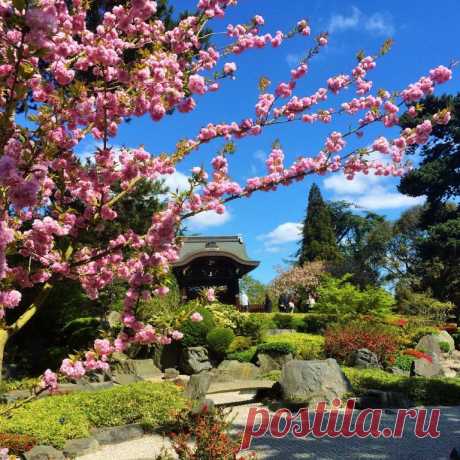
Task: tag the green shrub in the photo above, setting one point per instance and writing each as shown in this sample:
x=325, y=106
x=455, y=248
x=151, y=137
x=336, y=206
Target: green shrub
x=55, y=419
x=250, y=326
x=456, y=337
x=339, y=296
x=195, y=332
x=421, y=390
x=219, y=339
x=284, y=320
x=272, y=375
x=404, y=362
x=415, y=334
x=444, y=346
x=245, y=356
x=283, y=348
x=315, y=323
x=239, y=343
x=306, y=346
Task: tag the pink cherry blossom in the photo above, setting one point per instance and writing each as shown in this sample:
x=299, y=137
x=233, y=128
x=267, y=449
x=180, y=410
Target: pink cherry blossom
x=196, y=317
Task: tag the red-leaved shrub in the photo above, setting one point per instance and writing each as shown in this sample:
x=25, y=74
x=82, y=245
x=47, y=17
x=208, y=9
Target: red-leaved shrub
x=17, y=444
x=342, y=340
x=418, y=354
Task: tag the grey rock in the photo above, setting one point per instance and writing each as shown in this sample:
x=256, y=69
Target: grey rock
x=230, y=370
x=272, y=362
x=118, y=434
x=429, y=344
x=364, y=359
x=44, y=453
x=308, y=382
x=195, y=360
x=171, y=374
x=397, y=371
x=76, y=447
x=198, y=386
x=424, y=368
x=279, y=331
x=132, y=370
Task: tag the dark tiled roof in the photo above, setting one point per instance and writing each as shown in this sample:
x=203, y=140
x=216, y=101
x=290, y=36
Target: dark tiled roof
x=225, y=246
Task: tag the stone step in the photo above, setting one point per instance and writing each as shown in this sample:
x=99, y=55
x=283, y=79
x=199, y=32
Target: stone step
x=239, y=385
x=233, y=398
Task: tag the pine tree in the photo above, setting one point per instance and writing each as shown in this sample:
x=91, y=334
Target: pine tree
x=318, y=237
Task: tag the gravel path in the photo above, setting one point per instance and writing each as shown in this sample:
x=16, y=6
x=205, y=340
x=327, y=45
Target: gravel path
x=407, y=448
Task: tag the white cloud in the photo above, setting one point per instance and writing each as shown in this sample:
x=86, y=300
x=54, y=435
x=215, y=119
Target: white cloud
x=207, y=219
x=381, y=198
x=361, y=183
x=369, y=192
x=340, y=23
x=288, y=232
x=379, y=23
x=176, y=181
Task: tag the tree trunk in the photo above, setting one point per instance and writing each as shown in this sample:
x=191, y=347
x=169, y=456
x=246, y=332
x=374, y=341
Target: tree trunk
x=4, y=336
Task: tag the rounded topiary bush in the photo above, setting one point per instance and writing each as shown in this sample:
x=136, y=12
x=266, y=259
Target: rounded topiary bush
x=284, y=320
x=239, y=343
x=195, y=333
x=219, y=339
x=279, y=348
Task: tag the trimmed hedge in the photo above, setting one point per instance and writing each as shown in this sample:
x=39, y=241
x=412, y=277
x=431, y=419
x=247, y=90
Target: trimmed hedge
x=55, y=419
x=282, y=348
x=245, y=356
x=306, y=346
x=219, y=339
x=421, y=390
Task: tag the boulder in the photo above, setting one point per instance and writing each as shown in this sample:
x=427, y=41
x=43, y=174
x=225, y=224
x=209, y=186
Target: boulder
x=308, y=382
x=167, y=356
x=171, y=374
x=272, y=362
x=77, y=447
x=364, y=359
x=279, y=331
x=424, y=368
x=44, y=453
x=132, y=370
x=198, y=386
x=430, y=344
x=230, y=370
x=195, y=360
x=118, y=434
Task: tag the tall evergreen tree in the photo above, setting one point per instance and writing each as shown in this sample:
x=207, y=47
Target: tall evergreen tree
x=318, y=237
x=438, y=178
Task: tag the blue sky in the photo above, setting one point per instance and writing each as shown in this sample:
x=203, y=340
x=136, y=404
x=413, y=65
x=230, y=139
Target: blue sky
x=425, y=36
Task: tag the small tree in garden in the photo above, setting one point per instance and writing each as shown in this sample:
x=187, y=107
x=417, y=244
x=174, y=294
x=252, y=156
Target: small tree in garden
x=85, y=82
x=299, y=280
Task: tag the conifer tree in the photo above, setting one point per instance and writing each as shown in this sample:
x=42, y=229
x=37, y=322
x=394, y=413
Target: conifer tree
x=318, y=238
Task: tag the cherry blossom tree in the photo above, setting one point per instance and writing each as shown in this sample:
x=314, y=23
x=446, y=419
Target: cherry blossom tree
x=86, y=82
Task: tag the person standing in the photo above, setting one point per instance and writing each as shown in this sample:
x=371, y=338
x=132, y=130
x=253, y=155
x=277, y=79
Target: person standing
x=244, y=301
x=268, y=305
